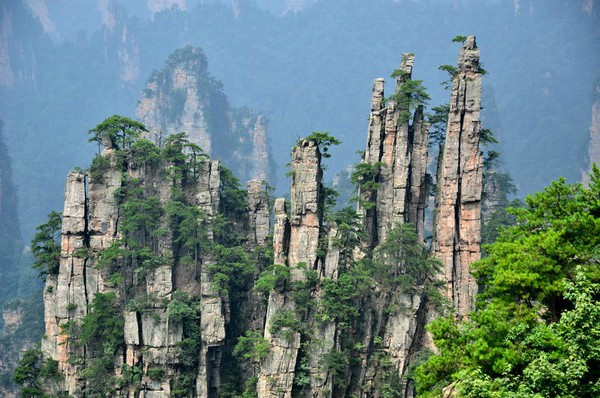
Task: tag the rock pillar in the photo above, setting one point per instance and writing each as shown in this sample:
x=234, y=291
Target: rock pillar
x=457, y=232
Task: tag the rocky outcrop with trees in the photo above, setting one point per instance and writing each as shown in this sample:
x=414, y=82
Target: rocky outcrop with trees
x=167, y=281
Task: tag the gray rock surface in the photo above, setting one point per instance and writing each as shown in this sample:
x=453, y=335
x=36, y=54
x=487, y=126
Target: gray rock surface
x=457, y=231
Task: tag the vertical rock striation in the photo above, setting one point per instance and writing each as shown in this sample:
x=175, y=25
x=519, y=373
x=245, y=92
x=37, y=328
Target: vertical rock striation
x=594, y=149
x=457, y=231
x=341, y=306
x=297, y=251
x=418, y=178
x=401, y=150
x=94, y=221
x=258, y=209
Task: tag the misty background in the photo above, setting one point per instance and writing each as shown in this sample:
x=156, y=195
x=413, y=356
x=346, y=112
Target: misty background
x=306, y=65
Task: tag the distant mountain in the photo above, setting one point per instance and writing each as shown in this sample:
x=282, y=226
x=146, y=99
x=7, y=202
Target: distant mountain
x=306, y=70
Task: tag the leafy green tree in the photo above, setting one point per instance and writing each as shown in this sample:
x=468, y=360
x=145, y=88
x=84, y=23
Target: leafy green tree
x=234, y=200
x=185, y=158
x=486, y=137
x=45, y=245
x=452, y=71
x=117, y=132
x=145, y=153
x=272, y=277
x=402, y=260
x=324, y=140
x=410, y=95
x=32, y=370
x=27, y=372
x=365, y=175
x=350, y=232
x=535, y=331
x=186, y=221
x=102, y=328
x=251, y=347
x=438, y=121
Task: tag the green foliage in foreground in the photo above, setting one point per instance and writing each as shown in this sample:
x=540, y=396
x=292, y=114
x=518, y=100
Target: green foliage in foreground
x=536, y=329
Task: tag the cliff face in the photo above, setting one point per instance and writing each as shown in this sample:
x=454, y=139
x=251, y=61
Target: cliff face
x=182, y=96
x=147, y=269
x=176, y=260
x=594, y=148
x=398, y=151
x=457, y=229
x=19, y=34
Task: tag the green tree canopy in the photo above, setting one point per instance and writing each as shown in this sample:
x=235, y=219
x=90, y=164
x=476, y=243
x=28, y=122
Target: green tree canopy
x=117, y=132
x=536, y=329
x=324, y=140
x=45, y=245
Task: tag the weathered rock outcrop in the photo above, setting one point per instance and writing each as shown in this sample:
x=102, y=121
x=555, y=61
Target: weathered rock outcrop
x=298, y=251
x=457, y=228
x=594, y=148
x=399, y=152
x=340, y=306
x=183, y=96
x=95, y=221
x=400, y=149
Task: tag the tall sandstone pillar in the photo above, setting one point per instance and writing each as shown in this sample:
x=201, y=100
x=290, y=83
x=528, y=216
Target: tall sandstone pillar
x=457, y=228
x=298, y=246
x=402, y=149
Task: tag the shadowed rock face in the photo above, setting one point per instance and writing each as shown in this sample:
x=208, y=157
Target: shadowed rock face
x=10, y=233
x=183, y=96
x=457, y=228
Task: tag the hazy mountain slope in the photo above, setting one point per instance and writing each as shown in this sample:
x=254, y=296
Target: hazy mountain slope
x=309, y=71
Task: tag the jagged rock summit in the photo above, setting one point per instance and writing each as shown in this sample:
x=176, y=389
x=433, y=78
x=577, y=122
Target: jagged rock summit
x=183, y=96
x=169, y=283
x=457, y=227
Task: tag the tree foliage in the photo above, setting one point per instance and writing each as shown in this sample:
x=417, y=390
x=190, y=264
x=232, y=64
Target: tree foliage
x=409, y=96
x=45, y=245
x=117, y=131
x=438, y=121
x=535, y=330
x=324, y=141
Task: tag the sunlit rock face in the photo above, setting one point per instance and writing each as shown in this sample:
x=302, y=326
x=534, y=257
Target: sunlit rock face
x=457, y=229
